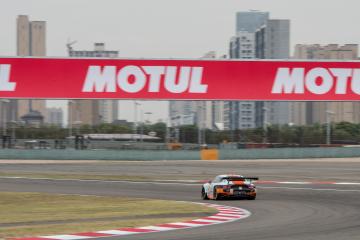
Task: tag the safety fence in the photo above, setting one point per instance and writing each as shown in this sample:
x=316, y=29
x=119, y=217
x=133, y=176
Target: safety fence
x=207, y=154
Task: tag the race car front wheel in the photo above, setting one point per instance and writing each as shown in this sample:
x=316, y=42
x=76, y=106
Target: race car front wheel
x=216, y=196
x=204, y=195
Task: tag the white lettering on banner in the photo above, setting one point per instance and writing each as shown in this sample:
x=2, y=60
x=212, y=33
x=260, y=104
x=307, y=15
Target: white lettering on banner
x=133, y=79
x=196, y=76
x=355, y=83
x=342, y=75
x=183, y=82
x=289, y=81
x=319, y=88
x=139, y=80
x=318, y=81
x=5, y=84
x=102, y=79
x=155, y=77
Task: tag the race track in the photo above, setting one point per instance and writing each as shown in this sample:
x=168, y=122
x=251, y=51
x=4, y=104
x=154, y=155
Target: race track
x=281, y=211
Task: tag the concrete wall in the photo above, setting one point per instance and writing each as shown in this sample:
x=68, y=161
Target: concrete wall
x=289, y=153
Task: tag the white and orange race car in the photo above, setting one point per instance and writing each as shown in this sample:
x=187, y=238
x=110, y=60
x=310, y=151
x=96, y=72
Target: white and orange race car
x=229, y=186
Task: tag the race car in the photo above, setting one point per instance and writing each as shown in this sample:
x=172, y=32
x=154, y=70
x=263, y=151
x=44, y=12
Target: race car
x=229, y=186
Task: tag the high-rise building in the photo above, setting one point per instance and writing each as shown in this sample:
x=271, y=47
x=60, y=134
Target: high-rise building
x=273, y=42
x=8, y=114
x=83, y=112
x=204, y=114
x=218, y=115
x=5, y=115
x=250, y=21
x=54, y=116
x=93, y=112
x=241, y=114
x=273, y=39
x=303, y=113
x=182, y=113
x=259, y=37
x=242, y=46
x=31, y=41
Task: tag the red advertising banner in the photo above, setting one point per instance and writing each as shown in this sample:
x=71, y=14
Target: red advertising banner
x=71, y=78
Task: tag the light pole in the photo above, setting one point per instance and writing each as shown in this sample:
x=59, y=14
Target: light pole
x=135, y=119
x=200, y=122
x=70, y=117
x=174, y=123
x=148, y=113
x=203, y=125
x=13, y=134
x=167, y=130
x=177, y=129
x=265, y=110
x=78, y=125
x=199, y=119
x=232, y=119
x=328, y=126
x=4, y=103
x=143, y=122
x=142, y=125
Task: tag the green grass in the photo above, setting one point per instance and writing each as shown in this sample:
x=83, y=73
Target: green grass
x=84, y=176
x=18, y=208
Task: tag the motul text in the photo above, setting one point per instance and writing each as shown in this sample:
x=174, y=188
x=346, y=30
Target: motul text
x=133, y=79
x=317, y=81
x=5, y=84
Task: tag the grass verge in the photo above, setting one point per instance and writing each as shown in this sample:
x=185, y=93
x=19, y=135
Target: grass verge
x=29, y=214
x=84, y=176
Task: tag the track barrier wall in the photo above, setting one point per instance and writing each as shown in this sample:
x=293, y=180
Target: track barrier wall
x=223, y=154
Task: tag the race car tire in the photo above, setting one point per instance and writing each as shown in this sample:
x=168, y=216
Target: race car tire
x=216, y=196
x=251, y=198
x=204, y=195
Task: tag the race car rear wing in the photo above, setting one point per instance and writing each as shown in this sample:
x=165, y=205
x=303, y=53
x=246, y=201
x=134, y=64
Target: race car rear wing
x=241, y=178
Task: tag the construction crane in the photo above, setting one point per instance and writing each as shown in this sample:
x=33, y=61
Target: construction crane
x=69, y=45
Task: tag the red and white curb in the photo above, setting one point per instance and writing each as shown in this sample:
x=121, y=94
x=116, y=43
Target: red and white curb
x=226, y=214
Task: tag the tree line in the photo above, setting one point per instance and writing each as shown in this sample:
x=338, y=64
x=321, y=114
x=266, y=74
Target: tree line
x=342, y=132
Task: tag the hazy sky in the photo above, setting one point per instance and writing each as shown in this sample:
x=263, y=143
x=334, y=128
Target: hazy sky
x=169, y=28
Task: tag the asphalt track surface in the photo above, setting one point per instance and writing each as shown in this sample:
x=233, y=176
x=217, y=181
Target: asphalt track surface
x=281, y=211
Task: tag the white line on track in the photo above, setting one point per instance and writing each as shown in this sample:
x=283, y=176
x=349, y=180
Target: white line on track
x=191, y=184
x=313, y=189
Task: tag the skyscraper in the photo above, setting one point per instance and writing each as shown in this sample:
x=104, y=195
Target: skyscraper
x=31, y=41
x=241, y=114
x=273, y=39
x=273, y=42
x=303, y=113
x=258, y=36
x=54, y=116
x=250, y=21
x=83, y=112
x=93, y=112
